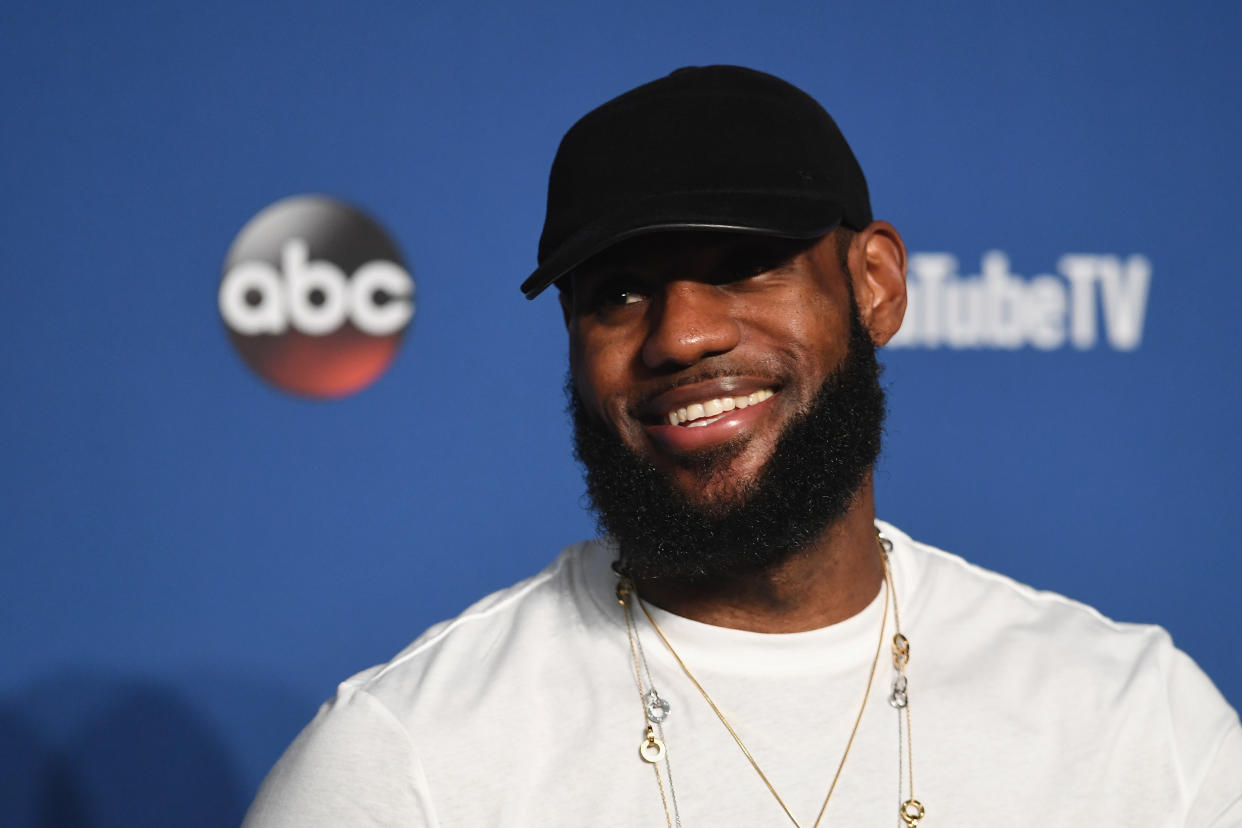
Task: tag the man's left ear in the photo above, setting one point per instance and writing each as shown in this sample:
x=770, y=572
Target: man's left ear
x=877, y=260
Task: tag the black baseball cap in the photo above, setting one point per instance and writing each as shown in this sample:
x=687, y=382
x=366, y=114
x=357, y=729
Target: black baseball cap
x=704, y=148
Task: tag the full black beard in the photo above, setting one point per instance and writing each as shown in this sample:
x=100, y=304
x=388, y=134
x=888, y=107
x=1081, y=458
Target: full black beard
x=806, y=486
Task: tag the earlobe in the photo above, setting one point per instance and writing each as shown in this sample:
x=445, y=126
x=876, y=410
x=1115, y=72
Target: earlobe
x=878, y=267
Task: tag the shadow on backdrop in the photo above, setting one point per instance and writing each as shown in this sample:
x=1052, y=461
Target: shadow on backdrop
x=93, y=752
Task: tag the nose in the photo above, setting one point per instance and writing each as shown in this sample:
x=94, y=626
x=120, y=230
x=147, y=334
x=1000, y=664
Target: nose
x=691, y=321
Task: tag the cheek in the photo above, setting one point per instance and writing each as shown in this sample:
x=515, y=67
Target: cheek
x=813, y=330
x=597, y=374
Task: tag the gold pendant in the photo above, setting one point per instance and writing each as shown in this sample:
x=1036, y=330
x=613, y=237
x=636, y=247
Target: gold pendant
x=911, y=812
x=651, y=749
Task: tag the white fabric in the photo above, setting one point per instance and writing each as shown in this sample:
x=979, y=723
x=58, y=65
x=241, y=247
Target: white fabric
x=1028, y=709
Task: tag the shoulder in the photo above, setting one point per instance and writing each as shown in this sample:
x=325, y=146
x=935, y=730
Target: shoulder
x=506, y=634
x=992, y=617
x=991, y=609
x=361, y=760
x=1026, y=667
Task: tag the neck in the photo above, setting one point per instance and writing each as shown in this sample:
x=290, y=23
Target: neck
x=833, y=578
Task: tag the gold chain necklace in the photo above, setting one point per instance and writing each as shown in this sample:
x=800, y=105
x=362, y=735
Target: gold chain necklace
x=654, y=751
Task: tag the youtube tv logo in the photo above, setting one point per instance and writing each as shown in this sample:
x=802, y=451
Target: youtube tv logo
x=315, y=297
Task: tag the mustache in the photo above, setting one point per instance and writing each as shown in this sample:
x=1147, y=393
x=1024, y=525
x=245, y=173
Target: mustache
x=723, y=371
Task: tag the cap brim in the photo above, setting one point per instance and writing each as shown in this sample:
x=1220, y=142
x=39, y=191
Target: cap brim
x=778, y=214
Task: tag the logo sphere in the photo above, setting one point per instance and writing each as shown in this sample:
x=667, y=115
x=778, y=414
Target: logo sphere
x=315, y=297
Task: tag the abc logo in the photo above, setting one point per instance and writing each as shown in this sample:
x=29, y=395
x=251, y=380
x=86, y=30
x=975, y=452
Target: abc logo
x=315, y=297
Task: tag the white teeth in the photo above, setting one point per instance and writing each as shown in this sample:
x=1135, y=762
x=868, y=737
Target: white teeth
x=695, y=412
x=700, y=423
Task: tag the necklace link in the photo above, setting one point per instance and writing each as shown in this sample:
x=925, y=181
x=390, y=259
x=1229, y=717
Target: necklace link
x=901, y=651
x=898, y=697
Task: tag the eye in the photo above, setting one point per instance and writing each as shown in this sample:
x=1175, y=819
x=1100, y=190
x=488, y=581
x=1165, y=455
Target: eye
x=612, y=292
x=754, y=258
x=624, y=297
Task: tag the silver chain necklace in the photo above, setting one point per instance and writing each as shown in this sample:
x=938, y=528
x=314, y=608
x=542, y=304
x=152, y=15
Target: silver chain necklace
x=653, y=749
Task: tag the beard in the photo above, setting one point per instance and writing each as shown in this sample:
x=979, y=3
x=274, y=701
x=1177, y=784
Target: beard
x=807, y=485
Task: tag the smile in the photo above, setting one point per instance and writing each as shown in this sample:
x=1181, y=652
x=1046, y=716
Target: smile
x=708, y=411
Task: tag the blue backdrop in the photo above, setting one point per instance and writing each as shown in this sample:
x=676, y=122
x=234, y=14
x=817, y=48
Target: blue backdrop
x=192, y=559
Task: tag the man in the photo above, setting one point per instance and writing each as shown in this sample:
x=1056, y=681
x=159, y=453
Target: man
x=749, y=646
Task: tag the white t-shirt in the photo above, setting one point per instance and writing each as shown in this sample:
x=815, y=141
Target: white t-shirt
x=1027, y=709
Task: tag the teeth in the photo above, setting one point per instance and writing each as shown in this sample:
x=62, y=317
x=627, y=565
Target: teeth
x=716, y=407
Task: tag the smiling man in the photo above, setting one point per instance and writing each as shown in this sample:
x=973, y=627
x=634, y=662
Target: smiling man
x=748, y=645
x=724, y=386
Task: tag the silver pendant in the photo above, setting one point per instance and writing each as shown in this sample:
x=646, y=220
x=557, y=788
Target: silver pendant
x=657, y=708
x=899, y=698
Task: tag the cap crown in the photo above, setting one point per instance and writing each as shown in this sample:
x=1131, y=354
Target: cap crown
x=717, y=147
